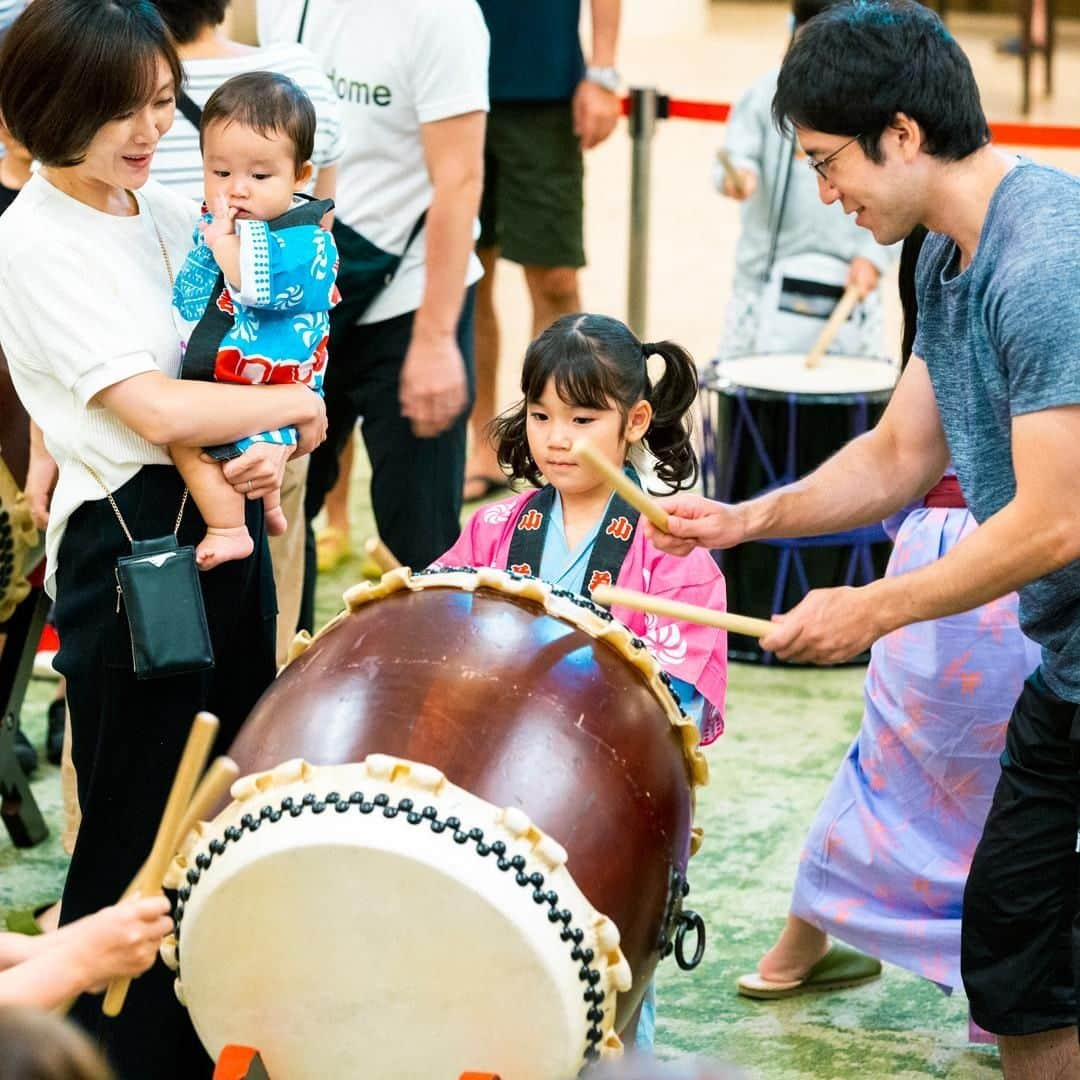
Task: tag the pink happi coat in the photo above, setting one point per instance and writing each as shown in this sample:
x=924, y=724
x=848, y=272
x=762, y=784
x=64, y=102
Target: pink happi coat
x=695, y=654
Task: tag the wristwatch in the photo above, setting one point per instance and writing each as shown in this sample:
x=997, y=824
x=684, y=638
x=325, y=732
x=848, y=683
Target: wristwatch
x=607, y=77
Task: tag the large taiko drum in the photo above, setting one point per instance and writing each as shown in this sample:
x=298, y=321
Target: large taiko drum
x=769, y=420
x=460, y=844
x=21, y=544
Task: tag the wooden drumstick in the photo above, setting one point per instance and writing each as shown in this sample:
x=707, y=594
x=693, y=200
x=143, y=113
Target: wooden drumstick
x=381, y=555
x=148, y=881
x=844, y=306
x=221, y=776
x=216, y=781
x=583, y=453
x=673, y=609
x=730, y=171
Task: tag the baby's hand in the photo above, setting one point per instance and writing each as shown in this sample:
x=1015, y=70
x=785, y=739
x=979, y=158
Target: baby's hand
x=223, y=224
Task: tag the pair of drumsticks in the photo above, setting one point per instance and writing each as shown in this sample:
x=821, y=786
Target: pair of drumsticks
x=190, y=800
x=608, y=595
x=586, y=455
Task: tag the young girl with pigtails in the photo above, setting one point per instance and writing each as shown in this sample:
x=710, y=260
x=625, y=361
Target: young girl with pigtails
x=587, y=376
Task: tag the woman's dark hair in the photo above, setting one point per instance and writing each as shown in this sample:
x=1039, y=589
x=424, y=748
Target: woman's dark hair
x=68, y=67
x=909, y=258
x=40, y=1046
x=597, y=363
x=854, y=67
x=266, y=102
x=186, y=19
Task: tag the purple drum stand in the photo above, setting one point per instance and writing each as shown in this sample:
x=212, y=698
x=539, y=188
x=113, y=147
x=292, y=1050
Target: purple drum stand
x=719, y=472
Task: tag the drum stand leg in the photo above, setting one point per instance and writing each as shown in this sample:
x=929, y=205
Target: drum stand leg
x=20, y=812
x=240, y=1063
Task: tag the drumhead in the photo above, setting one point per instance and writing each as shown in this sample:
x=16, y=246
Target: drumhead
x=364, y=924
x=835, y=377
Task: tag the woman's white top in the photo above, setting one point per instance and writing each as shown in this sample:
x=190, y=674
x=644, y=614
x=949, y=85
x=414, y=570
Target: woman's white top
x=85, y=302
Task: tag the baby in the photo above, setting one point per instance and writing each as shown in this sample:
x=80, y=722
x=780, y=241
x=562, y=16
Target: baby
x=253, y=296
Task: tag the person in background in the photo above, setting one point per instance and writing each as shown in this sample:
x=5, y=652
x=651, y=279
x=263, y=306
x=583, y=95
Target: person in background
x=547, y=107
x=794, y=255
x=887, y=855
x=412, y=81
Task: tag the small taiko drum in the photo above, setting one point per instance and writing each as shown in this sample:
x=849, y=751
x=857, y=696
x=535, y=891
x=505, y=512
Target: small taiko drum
x=769, y=420
x=459, y=842
x=21, y=544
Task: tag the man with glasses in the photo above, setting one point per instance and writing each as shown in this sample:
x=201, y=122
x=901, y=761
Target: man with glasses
x=884, y=104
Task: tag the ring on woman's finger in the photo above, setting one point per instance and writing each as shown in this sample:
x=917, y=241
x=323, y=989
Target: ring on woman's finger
x=250, y=486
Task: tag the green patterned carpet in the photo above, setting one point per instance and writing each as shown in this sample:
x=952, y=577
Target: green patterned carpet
x=786, y=732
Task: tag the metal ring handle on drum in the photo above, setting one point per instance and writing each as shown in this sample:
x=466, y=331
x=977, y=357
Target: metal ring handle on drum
x=689, y=920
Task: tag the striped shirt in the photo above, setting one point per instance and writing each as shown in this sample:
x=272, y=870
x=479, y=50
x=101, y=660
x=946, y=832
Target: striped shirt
x=178, y=163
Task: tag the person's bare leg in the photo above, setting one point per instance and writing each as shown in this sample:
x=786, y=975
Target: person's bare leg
x=222, y=508
x=273, y=516
x=482, y=463
x=336, y=502
x=554, y=292
x=1049, y=1055
x=799, y=947
x=1038, y=23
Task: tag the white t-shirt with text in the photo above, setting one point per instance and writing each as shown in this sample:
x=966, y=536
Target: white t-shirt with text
x=394, y=67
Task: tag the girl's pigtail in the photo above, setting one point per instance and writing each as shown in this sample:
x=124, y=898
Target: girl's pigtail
x=671, y=398
x=507, y=432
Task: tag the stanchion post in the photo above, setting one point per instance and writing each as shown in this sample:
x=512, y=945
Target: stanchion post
x=643, y=114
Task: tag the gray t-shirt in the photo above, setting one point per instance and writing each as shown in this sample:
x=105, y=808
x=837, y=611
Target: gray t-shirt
x=1002, y=339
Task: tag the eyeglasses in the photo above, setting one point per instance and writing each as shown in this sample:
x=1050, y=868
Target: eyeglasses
x=821, y=167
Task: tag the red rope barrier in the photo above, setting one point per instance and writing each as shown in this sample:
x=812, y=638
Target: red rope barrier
x=715, y=112
x=1007, y=134
x=1036, y=135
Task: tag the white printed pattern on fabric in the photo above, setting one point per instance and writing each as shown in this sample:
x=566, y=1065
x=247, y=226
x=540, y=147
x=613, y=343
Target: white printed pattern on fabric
x=320, y=264
x=254, y=263
x=310, y=328
x=666, y=641
x=498, y=513
x=245, y=325
x=293, y=296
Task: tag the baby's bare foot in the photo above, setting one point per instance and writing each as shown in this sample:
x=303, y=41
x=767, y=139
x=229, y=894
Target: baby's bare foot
x=223, y=545
x=276, y=522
